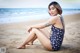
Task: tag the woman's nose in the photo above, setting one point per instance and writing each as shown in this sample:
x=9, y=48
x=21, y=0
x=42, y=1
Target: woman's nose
x=51, y=10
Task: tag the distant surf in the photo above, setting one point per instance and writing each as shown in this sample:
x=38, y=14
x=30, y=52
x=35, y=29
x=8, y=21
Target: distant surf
x=11, y=15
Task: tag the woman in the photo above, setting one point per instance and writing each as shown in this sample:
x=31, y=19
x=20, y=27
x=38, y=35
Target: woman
x=50, y=41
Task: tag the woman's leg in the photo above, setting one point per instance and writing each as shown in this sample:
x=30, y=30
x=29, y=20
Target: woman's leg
x=42, y=38
x=44, y=31
x=31, y=42
x=30, y=39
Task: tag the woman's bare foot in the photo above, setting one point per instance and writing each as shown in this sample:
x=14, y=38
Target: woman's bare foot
x=21, y=47
x=30, y=43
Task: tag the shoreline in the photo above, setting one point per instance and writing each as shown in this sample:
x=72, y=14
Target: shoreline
x=64, y=16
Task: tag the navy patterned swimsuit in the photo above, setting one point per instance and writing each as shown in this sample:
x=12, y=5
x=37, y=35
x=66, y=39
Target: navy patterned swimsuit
x=56, y=37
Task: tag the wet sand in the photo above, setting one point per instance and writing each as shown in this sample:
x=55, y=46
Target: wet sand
x=13, y=34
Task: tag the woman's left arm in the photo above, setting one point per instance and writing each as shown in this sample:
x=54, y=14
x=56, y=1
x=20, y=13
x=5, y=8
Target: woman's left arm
x=51, y=21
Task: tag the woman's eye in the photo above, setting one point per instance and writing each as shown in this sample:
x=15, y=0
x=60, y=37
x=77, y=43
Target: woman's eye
x=53, y=8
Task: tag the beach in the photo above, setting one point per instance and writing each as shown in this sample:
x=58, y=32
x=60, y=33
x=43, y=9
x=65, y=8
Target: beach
x=13, y=35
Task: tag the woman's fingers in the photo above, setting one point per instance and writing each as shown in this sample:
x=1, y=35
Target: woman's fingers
x=29, y=29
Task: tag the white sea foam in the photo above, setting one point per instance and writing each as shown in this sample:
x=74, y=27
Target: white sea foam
x=19, y=15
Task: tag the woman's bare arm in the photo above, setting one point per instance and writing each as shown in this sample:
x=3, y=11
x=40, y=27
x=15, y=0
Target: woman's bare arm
x=51, y=21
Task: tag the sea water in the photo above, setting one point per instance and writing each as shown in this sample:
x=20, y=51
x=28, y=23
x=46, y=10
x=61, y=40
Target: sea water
x=12, y=15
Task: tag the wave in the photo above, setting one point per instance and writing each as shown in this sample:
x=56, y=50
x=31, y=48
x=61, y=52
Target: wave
x=9, y=15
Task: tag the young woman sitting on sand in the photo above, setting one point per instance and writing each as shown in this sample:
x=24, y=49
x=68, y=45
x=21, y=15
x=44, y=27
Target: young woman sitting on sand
x=53, y=40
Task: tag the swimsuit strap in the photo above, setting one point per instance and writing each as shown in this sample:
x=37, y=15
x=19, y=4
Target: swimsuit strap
x=62, y=22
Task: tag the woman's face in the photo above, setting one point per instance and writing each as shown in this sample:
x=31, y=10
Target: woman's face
x=52, y=11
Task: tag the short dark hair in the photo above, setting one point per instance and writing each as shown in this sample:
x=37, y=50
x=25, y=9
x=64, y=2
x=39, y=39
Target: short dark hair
x=57, y=6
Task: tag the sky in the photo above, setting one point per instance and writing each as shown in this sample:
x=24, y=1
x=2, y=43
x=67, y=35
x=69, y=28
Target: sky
x=37, y=3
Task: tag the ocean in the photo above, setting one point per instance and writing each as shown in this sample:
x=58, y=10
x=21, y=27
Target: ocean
x=12, y=15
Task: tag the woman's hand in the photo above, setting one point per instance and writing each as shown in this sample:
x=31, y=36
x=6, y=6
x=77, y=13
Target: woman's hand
x=30, y=28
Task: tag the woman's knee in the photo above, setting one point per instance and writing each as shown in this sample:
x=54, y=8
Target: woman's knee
x=34, y=29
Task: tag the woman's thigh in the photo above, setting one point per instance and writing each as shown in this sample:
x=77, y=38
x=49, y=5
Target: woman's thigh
x=45, y=32
x=43, y=39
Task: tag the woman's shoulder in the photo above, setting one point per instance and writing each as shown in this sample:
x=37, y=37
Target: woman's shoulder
x=56, y=17
x=59, y=15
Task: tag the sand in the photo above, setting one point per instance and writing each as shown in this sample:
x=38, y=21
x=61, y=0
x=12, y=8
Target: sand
x=13, y=34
